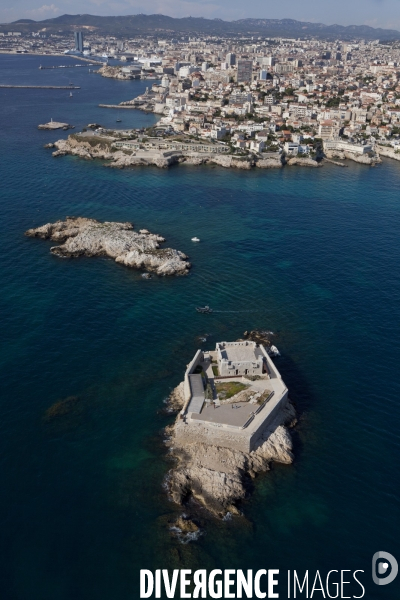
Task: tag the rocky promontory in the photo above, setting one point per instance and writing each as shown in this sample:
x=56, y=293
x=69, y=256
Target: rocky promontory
x=363, y=159
x=388, y=152
x=104, y=147
x=269, y=163
x=79, y=236
x=218, y=477
x=302, y=162
x=101, y=147
x=114, y=72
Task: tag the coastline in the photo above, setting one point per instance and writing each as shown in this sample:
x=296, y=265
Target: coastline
x=101, y=147
x=122, y=158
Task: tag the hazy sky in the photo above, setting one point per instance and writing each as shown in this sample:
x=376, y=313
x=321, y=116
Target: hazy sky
x=377, y=13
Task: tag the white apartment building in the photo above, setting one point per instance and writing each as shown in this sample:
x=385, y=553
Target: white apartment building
x=344, y=146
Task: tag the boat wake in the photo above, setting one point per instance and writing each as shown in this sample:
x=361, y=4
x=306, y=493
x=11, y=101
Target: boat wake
x=236, y=311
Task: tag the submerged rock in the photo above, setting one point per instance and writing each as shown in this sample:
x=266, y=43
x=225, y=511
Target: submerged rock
x=79, y=236
x=260, y=336
x=62, y=408
x=185, y=530
x=185, y=525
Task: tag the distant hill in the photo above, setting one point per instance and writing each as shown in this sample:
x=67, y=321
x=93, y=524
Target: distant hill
x=162, y=24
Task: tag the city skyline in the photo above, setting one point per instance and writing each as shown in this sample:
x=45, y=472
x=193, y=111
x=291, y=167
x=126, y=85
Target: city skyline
x=375, y=13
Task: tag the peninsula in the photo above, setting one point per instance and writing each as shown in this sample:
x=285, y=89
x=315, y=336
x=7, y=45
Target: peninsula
x=79, y=236
x=128, y=149
x=233, y=407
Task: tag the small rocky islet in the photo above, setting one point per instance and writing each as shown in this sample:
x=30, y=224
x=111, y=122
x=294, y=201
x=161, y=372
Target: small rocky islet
x=215, y=471
x=80, y=236
x=218, y=477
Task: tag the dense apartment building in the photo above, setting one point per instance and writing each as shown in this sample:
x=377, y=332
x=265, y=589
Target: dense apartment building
x=244, y=71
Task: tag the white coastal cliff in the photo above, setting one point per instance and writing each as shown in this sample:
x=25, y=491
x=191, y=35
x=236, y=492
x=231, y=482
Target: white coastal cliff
x=388, y=152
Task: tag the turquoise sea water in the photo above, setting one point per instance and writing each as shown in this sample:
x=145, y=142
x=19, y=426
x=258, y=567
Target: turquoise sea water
x=315, y=254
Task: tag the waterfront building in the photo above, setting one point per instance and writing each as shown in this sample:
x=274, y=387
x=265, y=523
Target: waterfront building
x=344, y=146
x=294, y=148
x=159, y=144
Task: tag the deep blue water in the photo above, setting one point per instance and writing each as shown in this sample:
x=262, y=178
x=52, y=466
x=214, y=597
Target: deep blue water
x=315, y=253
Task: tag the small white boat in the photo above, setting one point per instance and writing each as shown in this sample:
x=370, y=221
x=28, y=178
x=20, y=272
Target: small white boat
x=195, y=239
x=273, y=351
x=204, y=309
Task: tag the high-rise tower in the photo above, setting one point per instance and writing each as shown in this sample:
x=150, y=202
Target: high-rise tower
x=78, y=35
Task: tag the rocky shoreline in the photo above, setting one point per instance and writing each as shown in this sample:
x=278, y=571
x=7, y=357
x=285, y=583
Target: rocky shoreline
x=114, y=72
x=79, y=236
x=362, y=159
x=388, y=152
x=217, y=477
x=101, y=147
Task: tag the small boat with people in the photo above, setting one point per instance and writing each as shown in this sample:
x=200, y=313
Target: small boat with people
x=195, y=239
x=204, y=309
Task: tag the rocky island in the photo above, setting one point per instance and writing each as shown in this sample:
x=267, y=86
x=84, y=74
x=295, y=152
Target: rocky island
x=233, y=421
x=79, y=236
x=53, y=125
